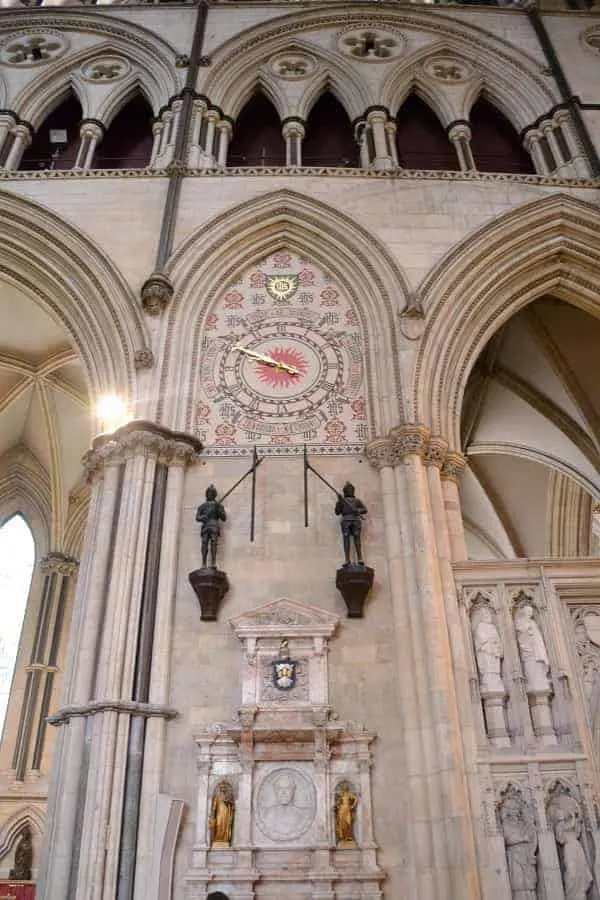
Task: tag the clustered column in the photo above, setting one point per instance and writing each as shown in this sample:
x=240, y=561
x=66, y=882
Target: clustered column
x=438, y=730
x=91, y=133
x=114, y=639
x=459, y=135
x=555, y=148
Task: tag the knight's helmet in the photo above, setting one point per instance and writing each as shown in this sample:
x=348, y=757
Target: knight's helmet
x=348, y=489
x=211, y=492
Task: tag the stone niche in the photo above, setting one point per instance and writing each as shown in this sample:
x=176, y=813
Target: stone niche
x=297, y=781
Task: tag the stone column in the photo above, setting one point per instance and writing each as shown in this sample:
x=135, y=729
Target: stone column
x=293, y=135
x=7, y=123
x=157, y=128
x=448, y=756
x=452, y=469
x=110, y=621
x=21, y=138
x=421, y=855
x=460, y=136
x=224, y=131
x=91, y=132
x=531, y=142
x=548, y=131
x=578, y=158
x=212, y=117
x=377, y=118
x=390, y=131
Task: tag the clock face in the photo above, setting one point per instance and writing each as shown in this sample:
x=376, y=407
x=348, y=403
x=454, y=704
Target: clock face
x=299, y=319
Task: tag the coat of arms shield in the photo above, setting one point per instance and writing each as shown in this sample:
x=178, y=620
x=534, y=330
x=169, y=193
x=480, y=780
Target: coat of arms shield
x=284, y=674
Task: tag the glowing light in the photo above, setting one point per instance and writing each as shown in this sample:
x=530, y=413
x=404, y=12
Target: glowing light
x=112, y=412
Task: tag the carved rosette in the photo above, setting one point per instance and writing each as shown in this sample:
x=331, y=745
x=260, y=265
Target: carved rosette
x=144, y=358
x=156, y=293
x=140, y=438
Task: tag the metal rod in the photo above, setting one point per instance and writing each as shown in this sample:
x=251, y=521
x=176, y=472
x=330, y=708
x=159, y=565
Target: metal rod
x=254, y=466
x=324, y=480
x=305, y=488
x=253, y=493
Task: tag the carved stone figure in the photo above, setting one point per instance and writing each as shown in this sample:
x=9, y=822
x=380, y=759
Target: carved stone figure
x=285, y=805
x=565, y=815
x=220, y=822
x=210, y=513
x=23, y=857
x=520, y=840
x=488, y=650
x=345, y=810
x=351, y=510
x=534, y=655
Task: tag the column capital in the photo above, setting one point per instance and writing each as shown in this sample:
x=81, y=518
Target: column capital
x=93, y=128
x=454, y=465
x=459, y=130
x=409, y=440
x=60, y=563
x=380, y=453
x=436, y=451
x=141, y=438
x=293, y=126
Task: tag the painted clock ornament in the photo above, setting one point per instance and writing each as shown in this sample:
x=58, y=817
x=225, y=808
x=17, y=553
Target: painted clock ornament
x=282, y=362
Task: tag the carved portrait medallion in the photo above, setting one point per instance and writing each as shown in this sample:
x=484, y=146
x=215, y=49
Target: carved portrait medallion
x=285, y=804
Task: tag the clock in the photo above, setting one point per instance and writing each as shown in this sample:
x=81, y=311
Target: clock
x=315, y=395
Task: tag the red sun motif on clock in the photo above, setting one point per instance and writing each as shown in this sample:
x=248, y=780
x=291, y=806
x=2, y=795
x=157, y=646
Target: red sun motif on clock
x=280, y=378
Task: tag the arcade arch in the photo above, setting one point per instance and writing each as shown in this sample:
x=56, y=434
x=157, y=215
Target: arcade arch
x=511, y=382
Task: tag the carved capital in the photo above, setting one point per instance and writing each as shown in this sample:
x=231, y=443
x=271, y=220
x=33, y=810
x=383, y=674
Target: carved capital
x=380, y=453
x=409, y=440
x=144, y=358
x=436, y=452
x=59, y=563
x=156, y=294
x=454, y=466
x=140, y=438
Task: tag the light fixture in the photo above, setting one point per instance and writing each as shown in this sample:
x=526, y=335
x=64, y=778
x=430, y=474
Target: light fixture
x=112, y=412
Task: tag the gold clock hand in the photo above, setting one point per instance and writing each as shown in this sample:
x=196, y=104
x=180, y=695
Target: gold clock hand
x=267, y=360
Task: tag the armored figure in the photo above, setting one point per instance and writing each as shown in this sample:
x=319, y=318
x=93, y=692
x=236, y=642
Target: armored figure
x=210, y=513
x=351, y=510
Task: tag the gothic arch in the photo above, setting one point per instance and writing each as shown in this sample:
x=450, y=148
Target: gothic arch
x=81, y=288
x=12, y=828
x=327, y=81
x=548, y=246
x=509, y=82
x=515, y=74
x=151, y=58
x=25, y=489
x=214, y=254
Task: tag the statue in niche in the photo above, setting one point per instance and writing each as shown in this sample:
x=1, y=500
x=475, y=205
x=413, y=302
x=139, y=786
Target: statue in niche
x=345, y=811
x=220, y=822
x=489, y=651
x=351, y=510
x=565, y=816
x=210, y=513
x=520, y=841
x=23, y=857
x=534, y=656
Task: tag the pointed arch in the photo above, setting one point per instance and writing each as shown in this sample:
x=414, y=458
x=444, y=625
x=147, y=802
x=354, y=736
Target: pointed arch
x=11, y=830
x=25, y=489
x=421, y=140
x=65, y=116
x=151, y=58
x=507, y=78
x=329, y=139
x=340, y=79
x=548, y=246
x=257, y=137
x=219, y=251
x=258, y=84
x=495, y=145
x=118, y=99
x=65, y=272
x=127, y=143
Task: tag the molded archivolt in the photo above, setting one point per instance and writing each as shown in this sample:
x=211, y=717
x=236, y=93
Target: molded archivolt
x=511, y=79
x=81, y=288
x=152, y=61
x=222, y=249
x=548, y=247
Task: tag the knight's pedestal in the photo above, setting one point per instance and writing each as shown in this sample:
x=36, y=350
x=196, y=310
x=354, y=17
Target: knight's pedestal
x=354, y=583
x=210, y=586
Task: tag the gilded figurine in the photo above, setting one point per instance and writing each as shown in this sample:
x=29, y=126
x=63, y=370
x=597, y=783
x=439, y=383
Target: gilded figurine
x=220, y=822
x=345, y=811
x=351, y=510
x=210, y=513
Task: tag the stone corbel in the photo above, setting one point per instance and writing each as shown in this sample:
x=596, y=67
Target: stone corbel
x=156, y=294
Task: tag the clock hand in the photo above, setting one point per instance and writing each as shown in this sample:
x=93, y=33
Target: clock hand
x=267, y=360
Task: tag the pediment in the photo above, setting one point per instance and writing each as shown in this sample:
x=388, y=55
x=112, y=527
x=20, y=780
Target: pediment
x=285, y=618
